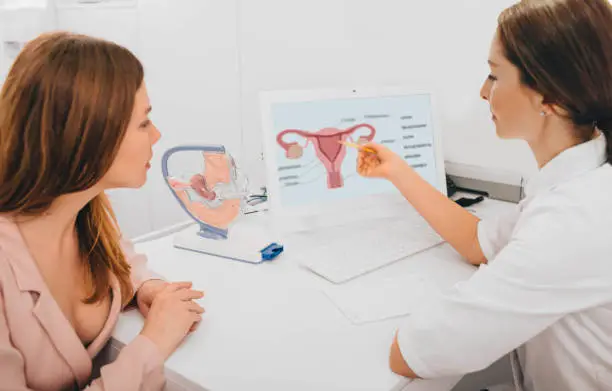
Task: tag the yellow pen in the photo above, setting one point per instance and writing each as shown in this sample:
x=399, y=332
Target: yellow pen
x=357, y=146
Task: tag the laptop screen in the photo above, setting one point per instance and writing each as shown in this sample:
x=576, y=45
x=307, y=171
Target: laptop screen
x=309, y=165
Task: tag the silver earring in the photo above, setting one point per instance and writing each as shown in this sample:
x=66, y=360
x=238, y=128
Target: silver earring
x=543, y=113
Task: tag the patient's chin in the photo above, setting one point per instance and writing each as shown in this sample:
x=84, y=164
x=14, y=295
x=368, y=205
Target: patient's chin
x=131, y=183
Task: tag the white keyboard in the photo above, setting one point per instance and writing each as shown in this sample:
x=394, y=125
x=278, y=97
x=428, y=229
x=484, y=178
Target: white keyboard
x=342, y=253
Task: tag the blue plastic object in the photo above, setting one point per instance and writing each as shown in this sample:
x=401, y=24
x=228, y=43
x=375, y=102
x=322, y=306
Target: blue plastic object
x=271, y=252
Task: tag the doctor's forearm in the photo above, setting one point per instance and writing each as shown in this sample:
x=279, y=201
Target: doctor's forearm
x=456, y=225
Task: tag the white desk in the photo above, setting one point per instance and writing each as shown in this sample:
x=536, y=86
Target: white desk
x=269, y=327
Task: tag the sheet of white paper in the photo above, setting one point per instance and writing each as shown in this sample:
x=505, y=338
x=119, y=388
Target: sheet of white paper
x=380, y=299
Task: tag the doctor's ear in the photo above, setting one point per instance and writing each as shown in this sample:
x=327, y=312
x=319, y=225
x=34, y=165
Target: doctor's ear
x=554, y=109
x=539, y=103
x=547, y=107
x=546, y=111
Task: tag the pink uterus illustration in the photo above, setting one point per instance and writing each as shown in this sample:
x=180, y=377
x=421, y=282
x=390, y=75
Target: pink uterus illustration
x=218, y=170
x=327, y=147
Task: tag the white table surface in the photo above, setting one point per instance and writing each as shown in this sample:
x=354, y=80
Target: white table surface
x=270, y=327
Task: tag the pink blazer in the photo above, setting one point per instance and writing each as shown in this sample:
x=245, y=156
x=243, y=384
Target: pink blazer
x=39, y=349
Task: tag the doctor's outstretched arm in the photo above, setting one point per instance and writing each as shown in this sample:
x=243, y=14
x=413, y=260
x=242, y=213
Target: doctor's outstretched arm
x=453, y=223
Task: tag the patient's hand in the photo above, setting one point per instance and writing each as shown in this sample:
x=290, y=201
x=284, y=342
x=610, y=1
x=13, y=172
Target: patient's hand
x=146, y=294
x=172, y=316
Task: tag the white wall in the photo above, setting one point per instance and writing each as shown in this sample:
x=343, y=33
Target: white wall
x=207, y=60
x=439, y=45
x=20, y=21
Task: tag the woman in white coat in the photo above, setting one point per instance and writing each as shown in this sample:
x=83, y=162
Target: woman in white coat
x=544, y=286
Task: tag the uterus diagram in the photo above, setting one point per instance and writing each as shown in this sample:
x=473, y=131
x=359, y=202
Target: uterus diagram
x=327, y=146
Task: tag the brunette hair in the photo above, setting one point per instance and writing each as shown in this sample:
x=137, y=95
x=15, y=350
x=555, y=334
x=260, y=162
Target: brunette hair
x=563, y=50
x=64, y=110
